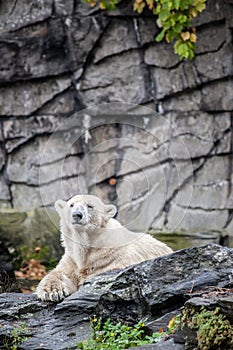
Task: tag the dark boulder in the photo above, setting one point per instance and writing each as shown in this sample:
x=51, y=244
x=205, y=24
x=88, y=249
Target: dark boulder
x=150, y=289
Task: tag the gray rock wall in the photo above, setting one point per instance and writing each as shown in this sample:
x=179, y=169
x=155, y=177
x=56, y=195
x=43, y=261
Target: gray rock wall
x=170, y=171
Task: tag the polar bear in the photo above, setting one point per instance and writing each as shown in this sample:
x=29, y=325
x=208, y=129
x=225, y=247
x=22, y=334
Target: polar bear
x=94, y=242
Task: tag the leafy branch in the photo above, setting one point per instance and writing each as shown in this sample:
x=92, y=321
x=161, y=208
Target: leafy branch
x=173, y=17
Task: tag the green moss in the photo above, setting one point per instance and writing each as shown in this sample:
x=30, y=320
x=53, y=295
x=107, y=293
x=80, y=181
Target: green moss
x=213, y=329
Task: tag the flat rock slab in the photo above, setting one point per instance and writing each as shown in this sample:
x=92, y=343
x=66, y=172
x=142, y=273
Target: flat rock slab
x=149, y=289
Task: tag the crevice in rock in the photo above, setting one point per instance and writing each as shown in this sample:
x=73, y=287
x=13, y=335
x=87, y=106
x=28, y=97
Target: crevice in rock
x=149, y=81
x=196, y=88
x=68, y=177
x=121, y=151
x=58, y=160
x=167, y=204
x=209, y=156
x=229, y=219
x=211, y=184
x=96, y=87
x=112, y=193
x=230, y=167
x=13, y=7
x=89, y=58
x=213, y=23
x=28, y=25
x=53, y=9
x=152, y=85
x=24, y=140
x=4, y=169
x=37, y=110
x=200, y=208
x=38, y=80
x=92, y=10
x=172, y=303
x=171, y=66
x=133, y=172
x=118, y=54
x=140, y=199
x=136, y=31
x=213, y=51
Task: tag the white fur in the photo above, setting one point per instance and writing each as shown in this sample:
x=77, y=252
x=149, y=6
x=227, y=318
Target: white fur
x=95, y=244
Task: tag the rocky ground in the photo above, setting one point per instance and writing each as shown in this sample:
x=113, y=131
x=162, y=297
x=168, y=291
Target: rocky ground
x=155, y=289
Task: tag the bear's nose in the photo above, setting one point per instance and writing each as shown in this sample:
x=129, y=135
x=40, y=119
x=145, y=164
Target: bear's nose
x=77, y=215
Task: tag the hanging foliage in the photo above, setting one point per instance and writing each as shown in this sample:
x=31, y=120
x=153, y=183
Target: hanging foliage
x=173, y=17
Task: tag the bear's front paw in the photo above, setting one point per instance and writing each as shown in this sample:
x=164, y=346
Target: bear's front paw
x=55, y=287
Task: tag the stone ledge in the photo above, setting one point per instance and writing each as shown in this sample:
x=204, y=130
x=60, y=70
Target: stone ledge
x=150, y=289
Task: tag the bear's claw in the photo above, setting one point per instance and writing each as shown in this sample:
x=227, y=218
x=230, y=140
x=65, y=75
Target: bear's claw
x=55, y=287
x=54, y=296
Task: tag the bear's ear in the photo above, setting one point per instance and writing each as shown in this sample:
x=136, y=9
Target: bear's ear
x=111, y=210
x=59, y=205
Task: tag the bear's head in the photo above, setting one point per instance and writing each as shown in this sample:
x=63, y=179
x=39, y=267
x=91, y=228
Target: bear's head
x=84, y=212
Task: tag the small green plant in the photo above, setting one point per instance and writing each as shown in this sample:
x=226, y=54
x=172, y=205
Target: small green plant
x=173, y=17
x=213, y=329
x=118, y=336
x=16, y=337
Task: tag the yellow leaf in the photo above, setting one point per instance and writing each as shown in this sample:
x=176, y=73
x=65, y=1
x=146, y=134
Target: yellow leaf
x=92, y=3
x=135, y=6
x=193, y=13
x=102, y=6
x=150, y=4
x=185, y=36
x=140, y=7
x=167, y=38
x=171, y=323
x=193, y=38
x=200, y=7
x=159, y=23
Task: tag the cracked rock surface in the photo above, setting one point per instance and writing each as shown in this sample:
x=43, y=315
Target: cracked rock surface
x=173, y=170
x=150, y=289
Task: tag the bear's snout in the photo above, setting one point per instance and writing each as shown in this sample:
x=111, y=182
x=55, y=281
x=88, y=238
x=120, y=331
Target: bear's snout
x=79, y=215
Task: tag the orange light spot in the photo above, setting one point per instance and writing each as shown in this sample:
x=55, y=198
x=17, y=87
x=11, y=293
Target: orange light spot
x=112, y=182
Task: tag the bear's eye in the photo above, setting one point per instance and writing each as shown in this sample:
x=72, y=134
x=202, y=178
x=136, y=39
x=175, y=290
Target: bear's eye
x=71, y=205
x=90, y=207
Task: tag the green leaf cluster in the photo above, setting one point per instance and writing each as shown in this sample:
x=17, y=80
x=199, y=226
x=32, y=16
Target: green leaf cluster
x=173, y=17
x=16, y=337
x=118, y=336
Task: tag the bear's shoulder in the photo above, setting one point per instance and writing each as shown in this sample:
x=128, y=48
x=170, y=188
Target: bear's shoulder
x=113, y=223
